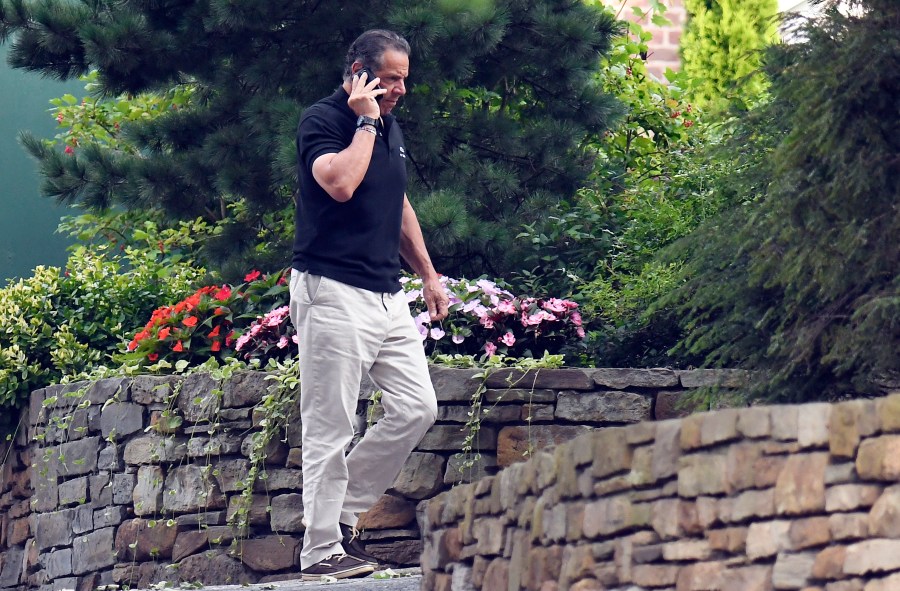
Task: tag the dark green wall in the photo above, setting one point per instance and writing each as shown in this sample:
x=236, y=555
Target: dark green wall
x=27, y=221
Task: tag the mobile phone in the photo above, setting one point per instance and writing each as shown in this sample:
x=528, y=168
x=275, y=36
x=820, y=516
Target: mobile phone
x=369, y=77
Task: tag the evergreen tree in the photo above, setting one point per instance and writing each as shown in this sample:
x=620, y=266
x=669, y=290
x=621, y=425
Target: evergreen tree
x=501, y=99
x=800, y=279
x=721, y=47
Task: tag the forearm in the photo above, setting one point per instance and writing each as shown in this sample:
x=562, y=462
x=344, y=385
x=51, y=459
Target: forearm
x=341, y=174
x=412, y=245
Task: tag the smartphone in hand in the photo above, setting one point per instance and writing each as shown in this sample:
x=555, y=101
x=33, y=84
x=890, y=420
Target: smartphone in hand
x=369, y=77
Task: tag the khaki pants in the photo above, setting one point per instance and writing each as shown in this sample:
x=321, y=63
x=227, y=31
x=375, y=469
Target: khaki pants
x=345, y=332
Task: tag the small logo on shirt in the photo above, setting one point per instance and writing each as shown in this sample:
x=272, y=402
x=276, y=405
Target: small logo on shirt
x=402, y=152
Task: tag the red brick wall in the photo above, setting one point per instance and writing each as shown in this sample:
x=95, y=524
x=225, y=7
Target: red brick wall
x=664, y=46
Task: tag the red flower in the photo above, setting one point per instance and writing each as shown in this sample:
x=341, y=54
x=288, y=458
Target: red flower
x=164, y=333
x=252, y=276
x=283, y=280
x=223, y=294
x=190, y=321
x=152, y=356
x=69, y=150
x=228, y=338
x=217, y=346
x=215, y=332
x=178, y=347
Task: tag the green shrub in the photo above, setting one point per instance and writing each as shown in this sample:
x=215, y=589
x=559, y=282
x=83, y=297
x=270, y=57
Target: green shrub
x=799, y=279
x=722, y=48
x=60, y=322
x=660, y=173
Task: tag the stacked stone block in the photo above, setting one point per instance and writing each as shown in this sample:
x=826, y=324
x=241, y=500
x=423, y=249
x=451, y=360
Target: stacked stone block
x=753, y=499
x=135, y=481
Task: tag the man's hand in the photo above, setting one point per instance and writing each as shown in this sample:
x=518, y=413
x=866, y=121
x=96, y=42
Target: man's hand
x=436, y=299
x=362, y=95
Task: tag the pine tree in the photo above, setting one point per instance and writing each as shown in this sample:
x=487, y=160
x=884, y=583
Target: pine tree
x=501, y=99
x=801, y=279
x=721, y=47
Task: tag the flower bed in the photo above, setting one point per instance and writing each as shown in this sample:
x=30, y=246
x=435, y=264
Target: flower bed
x=251, y=321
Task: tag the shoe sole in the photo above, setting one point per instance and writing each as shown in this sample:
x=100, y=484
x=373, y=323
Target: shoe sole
x=348, y=573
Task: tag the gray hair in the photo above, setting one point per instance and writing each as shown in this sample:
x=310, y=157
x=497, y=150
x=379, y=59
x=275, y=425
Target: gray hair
x=369, y=49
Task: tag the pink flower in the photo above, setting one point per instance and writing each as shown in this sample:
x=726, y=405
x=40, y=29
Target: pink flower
x=437, y=333
x=296, y=339
x=532, y=319
x=488, y=287
x=475, y=307
x=242, y=340
x=576, y=318
x=282, y=342
x=490, y=348
x=59, y=117
x=275, y=317
x=69, y=150
x=506, y=307
x=508, y=339
x=412, y=295
x=487, y=322
x=457, y=338
x=555, y=305
x=580, y=332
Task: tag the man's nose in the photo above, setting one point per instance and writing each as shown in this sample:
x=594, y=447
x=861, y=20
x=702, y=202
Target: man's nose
x=400, y=88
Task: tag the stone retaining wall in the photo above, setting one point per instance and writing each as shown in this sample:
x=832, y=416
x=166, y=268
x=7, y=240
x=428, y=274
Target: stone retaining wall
x=754, y=499
x=99, y=487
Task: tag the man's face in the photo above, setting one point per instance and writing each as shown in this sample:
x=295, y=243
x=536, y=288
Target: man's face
x=393, y=73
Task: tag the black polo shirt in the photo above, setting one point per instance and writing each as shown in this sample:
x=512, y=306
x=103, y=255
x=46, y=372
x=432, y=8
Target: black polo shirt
x=356, y=242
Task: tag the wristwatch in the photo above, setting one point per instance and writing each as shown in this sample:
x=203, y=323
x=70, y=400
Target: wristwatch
x=364, y=120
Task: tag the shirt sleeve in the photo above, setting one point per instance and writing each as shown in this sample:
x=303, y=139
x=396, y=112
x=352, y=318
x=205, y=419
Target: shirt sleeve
x=318, y=135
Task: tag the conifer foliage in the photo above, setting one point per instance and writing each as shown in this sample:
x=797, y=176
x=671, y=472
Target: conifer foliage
x=802, y=282
x=722, y=46
x=500, y=102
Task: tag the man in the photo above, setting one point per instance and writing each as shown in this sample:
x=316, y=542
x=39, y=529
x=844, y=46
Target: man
x=353, y=223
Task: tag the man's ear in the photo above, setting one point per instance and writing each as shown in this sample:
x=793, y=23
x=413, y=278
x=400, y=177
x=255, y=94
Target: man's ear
x=355, y=67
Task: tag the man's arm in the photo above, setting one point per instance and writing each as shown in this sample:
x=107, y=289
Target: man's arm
x=341, y=173
x=413, y=251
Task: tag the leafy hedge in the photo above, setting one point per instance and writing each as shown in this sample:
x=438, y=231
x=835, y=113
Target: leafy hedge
x=61, y=322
